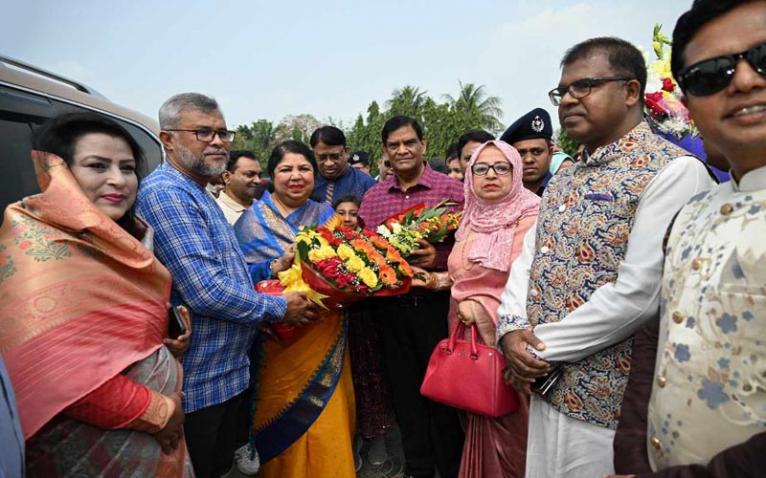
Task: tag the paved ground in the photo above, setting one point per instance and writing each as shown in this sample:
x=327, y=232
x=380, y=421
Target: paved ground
x=391, y=468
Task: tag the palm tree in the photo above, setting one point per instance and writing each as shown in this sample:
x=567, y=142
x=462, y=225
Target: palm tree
x=407, y=101
x=480, y=110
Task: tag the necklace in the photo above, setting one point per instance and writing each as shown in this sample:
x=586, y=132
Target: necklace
x=283, y=208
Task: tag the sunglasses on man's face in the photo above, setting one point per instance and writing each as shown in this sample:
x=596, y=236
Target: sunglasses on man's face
x=713, y=75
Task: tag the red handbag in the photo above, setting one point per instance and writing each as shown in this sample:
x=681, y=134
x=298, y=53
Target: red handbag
x=469, y=376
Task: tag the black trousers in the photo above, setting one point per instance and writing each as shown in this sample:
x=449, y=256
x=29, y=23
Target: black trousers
x=432, y=437
x=211, y=436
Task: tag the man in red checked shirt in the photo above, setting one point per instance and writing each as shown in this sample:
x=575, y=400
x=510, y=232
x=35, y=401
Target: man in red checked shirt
x=413, y=324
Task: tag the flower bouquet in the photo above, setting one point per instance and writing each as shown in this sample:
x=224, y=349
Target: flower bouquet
x=405, y=229
x=336, y=265
x=663, y=95
x=662, y=103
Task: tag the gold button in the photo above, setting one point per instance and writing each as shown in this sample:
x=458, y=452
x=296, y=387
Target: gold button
x=661, y=381
x=656, y=443
x=696, y=264
x=678, y=317
x=726, y=209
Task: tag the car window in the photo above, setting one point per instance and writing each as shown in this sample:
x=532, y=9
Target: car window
x=20, y=113
x=17, y=175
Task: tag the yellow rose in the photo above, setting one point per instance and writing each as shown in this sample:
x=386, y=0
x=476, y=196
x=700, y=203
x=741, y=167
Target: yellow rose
x=324, y=252
x=355, y=264
x=345, y=252
x=368, y=277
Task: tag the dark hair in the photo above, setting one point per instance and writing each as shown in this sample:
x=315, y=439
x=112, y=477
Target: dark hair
x=452, y=152
x=329, y=135
x=234, y=156
x=438, y=165
x=397, y=122
x=290, y=146
x=623, y=57
x=60, y=134
x=349, y=198
x=478, y=135
x=689, y=24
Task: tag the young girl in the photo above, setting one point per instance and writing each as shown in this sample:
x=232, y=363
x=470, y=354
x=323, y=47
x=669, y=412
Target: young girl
x=348, y=208
x=373, y=406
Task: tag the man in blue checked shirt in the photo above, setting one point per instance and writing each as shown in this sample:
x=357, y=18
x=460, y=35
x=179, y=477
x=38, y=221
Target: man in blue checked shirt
x=194, y=241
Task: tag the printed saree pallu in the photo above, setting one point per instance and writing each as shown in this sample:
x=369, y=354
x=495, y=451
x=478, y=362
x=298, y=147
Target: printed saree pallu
x=81, y=301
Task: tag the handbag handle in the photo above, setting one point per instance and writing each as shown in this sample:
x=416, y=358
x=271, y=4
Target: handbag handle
x=459, y=329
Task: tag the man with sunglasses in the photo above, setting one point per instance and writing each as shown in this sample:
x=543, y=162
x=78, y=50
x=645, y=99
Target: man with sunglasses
x=195, y=242
x=590, y=279
x=337, y=178
x=707, y=412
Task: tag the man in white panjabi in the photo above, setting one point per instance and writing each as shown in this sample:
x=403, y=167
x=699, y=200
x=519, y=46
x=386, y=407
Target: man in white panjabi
x=710, y=375
x=592, y=267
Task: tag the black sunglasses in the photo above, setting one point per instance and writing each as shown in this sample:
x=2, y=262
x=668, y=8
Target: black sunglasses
x=713, y=75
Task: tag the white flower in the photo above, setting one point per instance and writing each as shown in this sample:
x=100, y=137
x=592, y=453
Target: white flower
x=396, y=227
x=383, y=231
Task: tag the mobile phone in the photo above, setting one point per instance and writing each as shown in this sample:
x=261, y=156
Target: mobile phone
x=544, y=384
x=176, y=326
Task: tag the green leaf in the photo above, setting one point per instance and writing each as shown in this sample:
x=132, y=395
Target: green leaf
x=303, y=251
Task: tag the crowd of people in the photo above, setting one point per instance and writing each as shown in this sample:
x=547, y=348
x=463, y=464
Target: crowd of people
x=625, y=288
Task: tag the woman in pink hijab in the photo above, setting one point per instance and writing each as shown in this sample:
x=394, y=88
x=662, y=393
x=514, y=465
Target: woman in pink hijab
x=499, y=212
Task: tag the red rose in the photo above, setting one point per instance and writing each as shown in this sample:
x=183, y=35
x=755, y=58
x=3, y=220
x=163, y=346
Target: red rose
x=667, y=84
x=325, y=234
x=328, y=267
x=654, y=102
x=344, y=279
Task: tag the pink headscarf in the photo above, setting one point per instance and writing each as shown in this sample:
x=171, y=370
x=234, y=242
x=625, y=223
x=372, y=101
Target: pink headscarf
x=495, y=224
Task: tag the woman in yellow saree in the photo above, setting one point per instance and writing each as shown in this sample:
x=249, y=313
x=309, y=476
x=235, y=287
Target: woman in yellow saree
x=303, y=423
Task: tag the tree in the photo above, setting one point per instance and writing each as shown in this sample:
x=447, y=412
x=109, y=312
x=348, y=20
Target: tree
x=443, y=122
x=566, y=143
x=475, y=108
x=298, y=127
x=408, y=101
x=260, y=137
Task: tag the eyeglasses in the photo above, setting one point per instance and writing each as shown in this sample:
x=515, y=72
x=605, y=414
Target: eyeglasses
x=713, y=75
x=581, y=88
x=501, y=169
x=334, y=157
x=206, y=134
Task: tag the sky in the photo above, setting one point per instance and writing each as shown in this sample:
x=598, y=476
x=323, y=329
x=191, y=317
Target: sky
x=329, y=59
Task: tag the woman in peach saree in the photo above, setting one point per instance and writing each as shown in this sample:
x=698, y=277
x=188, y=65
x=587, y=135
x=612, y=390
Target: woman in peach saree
x=498, y=214
x=83, y=313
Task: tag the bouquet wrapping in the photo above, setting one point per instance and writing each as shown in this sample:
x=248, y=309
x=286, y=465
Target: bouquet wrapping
x=335, y=266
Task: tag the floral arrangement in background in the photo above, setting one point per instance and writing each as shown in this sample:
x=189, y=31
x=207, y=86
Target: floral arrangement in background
x=403, y=230
x=663, y=95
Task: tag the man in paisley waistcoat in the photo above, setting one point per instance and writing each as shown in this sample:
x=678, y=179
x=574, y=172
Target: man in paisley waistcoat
x=707, y=413
x=592, y=268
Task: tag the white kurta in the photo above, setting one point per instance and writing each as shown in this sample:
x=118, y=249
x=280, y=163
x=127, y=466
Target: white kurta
x=613, y=313
x=709, y=390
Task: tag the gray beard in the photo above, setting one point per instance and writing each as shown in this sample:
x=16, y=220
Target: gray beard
x=197, y=164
